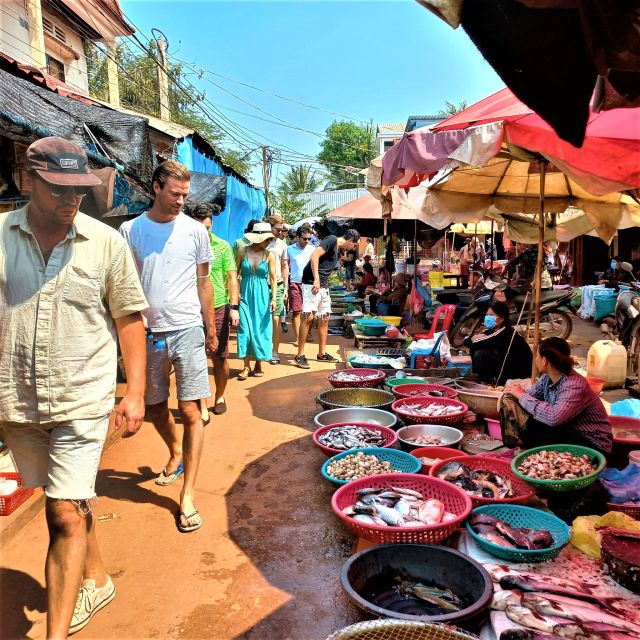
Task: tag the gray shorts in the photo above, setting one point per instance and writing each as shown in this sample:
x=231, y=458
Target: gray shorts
x=184, y=349
x=62, y=457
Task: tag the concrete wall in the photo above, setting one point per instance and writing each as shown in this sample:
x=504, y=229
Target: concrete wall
x=14, y=31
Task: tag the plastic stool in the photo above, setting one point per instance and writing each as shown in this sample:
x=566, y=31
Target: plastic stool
x=444, y=315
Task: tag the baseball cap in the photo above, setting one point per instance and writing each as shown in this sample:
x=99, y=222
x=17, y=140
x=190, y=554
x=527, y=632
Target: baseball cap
x=60, y=162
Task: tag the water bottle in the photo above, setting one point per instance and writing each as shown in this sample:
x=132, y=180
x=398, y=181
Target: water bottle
x=159, y=344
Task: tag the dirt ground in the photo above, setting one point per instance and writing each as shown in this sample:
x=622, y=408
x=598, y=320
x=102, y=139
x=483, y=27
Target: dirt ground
x=265, y=564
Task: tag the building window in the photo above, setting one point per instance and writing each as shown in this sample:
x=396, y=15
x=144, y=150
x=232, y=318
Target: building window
x=53, y=29
x=387, y=145
x=55, y=68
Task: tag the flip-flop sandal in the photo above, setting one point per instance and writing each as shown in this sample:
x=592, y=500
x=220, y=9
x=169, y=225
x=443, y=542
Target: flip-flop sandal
x=242, y=375
x=257, y=374
x=165, y=478
x=189, y=527
x=220, y=408
x=274, y=360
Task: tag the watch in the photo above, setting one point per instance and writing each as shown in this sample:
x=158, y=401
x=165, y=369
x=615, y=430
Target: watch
x=234, y=307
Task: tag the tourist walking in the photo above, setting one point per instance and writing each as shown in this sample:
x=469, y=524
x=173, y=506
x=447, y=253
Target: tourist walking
x=68, y=287
x=258, y=291
x=315, y=292
x=224, y=279
x=279, y=249
x=298, y=255
x=173, y=254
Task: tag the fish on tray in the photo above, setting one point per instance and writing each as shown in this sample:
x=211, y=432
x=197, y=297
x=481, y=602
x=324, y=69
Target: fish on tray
x=477, y=482
x=351, y=437
x=499, y=532
x=397, y=507
x=431, y=410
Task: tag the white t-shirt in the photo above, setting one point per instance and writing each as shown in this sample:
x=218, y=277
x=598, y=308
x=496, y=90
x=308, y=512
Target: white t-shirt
x=167, y=255
x=298, y=259
x=278, y=248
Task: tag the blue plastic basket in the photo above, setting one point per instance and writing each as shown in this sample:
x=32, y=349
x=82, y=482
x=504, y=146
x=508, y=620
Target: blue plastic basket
x=523, y=517
x=400, y=461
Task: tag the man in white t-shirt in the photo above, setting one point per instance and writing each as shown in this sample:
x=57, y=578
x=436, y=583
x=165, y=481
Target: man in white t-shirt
x=298, y=255
x=279, y=249
x=173, y=254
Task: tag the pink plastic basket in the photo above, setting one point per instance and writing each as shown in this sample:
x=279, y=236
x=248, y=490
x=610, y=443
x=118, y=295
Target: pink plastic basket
x=390, y=436
x=410, y=418
x=441, y=453
x=454, y=499
x=632, y=510
x=409, y=390
x=371, y=383
x=523, y=491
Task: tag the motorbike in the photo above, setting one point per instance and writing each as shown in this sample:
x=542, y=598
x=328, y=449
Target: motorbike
x=554, y=320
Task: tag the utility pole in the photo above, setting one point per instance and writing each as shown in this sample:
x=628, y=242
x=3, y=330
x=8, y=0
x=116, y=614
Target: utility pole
x=163, y=81
x=265, y=174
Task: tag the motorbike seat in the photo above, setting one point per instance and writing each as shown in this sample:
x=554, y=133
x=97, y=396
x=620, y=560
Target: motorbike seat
x=545, y=296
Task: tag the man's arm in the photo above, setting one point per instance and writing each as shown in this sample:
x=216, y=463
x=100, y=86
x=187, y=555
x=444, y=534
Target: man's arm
x=132, y=338
x=234, y=296
x=315, y=262
x=205, y=295
x=284, y=263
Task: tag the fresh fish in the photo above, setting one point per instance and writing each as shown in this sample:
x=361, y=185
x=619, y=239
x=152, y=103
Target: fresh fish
x=407, y=492
x=449, y=517
x=366, y=491
x=349, y=511
x=402, y=507
x=453, y=470
x=526, y=634
x=531, y=619
x=491, y=534
x=431, y=511
x=427, y=595
x=502, y=599
x=390, y=516
x=361, y=517
x=514, y=535
x=603, y=604
x=365, y=509
x=483, y=518
x=577, y=612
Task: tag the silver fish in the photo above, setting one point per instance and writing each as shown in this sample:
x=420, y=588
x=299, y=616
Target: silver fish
x=361, y=517
x=390, y=516
x=402, y=507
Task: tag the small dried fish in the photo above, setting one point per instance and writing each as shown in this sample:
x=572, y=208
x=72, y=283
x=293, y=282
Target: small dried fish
x=351, y=437
x=431, y=410
x=344, y=376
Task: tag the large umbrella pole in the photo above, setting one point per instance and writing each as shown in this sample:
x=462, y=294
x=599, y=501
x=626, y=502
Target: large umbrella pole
x=493, y=239
x=538, y=281
x=415, y=246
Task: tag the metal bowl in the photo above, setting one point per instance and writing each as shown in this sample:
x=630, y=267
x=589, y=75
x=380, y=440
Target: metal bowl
x=356, y=414
x=468, y=385
x=484, y=402
x=355, y=397
x=450, y=437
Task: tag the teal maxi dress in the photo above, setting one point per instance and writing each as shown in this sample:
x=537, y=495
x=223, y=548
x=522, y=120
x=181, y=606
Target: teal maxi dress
x=254, y=330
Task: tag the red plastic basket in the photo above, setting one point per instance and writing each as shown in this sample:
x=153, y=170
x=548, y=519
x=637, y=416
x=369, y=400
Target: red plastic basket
x=454, y=499
x=410, y=390
x=372, y=382
x=632, y=510
x=8, y=504
x=522, y=489
x=442, y=453
x=390, y=436
x=410, y=418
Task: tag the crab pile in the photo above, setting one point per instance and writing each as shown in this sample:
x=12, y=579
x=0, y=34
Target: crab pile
x=556, y=465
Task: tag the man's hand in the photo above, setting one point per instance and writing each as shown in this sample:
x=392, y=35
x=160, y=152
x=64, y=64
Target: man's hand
x=272, y=305
x=316, y=287
x=130, y=414
x=286, y=296
x=211, y=343
x=234, y=316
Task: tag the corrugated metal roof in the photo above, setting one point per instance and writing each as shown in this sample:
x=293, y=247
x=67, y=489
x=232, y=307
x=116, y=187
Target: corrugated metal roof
x=390, y=127
x=329, y=199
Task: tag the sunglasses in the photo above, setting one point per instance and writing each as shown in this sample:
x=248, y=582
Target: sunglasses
x=279, y=229
x=305, y=239
x=58, y=191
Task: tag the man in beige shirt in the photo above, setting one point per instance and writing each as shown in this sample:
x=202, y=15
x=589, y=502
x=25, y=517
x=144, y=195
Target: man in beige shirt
x=68, y=289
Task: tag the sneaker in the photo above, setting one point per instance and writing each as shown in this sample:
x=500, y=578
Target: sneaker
x=326, y=357
x=301, y=361
x=90, y=601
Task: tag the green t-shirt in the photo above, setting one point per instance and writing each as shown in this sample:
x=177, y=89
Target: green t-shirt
x=223, y=261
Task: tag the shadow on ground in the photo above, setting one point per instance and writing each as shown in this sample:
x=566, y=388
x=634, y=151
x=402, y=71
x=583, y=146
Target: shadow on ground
x=27, y=594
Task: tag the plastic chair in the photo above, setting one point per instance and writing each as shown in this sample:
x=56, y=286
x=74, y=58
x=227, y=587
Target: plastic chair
x=435, y=352
x=443, y=317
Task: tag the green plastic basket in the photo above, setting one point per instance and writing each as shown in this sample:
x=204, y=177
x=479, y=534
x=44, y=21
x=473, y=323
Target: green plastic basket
x=561, y=485
x=524, y=518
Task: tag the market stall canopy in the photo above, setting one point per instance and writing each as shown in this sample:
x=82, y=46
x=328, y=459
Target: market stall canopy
x=553, y=53
x=607, y=162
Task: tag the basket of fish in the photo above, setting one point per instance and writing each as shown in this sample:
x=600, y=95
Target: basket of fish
x=404, y=507
x=428, y=410
x=355, y=397
x=355, y=464
x=432, y=390
x=486, y=480
x=356, y=378
x=336, y=438
x=559, y=467
x=516, y=533
x=368, y=361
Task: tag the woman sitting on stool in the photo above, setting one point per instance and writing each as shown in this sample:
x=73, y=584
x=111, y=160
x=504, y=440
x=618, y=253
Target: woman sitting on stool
x=499, y=353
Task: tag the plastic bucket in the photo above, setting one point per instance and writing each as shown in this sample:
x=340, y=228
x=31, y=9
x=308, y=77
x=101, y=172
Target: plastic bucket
x=493, y=428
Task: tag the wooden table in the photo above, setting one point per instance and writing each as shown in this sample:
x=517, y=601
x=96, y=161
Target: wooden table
x=362, y=341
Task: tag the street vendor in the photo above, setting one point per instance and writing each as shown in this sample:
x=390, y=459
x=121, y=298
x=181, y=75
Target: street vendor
x=499, y=353
x=559, y=407
x=618, y=272
x=393, y=302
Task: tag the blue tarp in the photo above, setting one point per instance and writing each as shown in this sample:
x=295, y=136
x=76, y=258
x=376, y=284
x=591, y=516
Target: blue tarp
x=243, y=202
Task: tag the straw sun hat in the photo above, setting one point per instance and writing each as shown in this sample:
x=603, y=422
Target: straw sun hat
x=260, y=232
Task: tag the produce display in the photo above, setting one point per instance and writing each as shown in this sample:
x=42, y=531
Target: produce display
x=358, y=465
x=476, y=482
x=351, y=437
x=556, y=465
x=345, y=376
x=397, y=507
x=427, y=441
x=430, y=410
x=499, y=532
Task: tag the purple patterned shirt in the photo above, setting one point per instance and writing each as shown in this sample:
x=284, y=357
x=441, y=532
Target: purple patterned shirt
x=571, y=403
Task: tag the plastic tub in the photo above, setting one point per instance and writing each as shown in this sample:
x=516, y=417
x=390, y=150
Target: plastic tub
x=449, y=436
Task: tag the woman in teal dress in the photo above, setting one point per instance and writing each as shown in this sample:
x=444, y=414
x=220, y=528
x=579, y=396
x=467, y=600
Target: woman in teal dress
x=258, y=288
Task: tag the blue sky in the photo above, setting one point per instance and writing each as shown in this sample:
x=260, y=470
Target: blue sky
x=367, y=60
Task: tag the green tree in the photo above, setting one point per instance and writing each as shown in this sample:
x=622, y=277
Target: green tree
x=300, y=179
x=139, y=91
x=347, y=149
x=451, y=108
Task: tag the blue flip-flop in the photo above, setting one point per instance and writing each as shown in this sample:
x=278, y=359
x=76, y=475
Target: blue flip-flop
x=165, y=478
